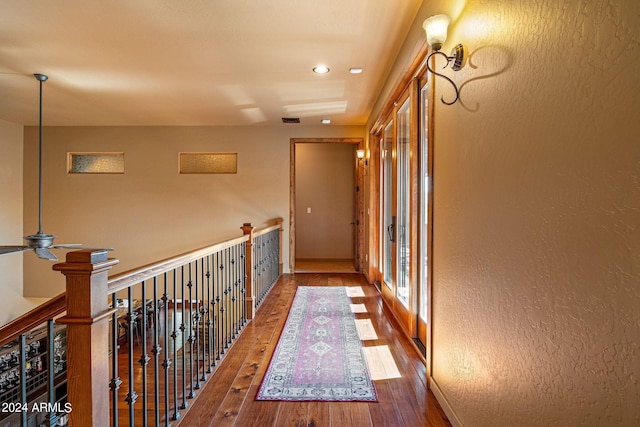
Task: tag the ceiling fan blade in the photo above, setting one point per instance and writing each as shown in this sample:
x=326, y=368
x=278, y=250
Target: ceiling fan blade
x=10, y=249
x=78, y=246
x=45, y=253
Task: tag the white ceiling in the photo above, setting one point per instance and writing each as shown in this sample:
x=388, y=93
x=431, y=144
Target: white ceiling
x=213, y=62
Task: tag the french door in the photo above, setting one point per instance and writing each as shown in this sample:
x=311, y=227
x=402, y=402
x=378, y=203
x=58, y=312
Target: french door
x=406, y=210
x=398, y=222
x=425, y=190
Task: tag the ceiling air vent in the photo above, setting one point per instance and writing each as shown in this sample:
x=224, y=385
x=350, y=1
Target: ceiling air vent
x=290, y=120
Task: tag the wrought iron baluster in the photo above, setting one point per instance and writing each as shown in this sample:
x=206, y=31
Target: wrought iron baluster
x=271, y=263
x=115, y=382
x=256, y=277
x=174, y=336
x=156, y=349
x=263, y=280
x=222, y=336
x=240, y=286
x=190, y=340
x=166, y=363
x=243, y=275
x=196, y=334
x=203, y=330
x=216, y=311
x=263, y=266
x=238, y=283
x=259, y=249
x=144, y=356
x=232, y=292
x=131, y=319
x=211, y=358
x=239, y=296
x=228, y=302
x=184, y=342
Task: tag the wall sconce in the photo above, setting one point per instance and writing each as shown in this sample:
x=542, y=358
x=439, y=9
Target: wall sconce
x=436, y=28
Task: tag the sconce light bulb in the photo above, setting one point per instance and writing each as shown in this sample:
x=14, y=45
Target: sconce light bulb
x=360, y=154
x=436, y=29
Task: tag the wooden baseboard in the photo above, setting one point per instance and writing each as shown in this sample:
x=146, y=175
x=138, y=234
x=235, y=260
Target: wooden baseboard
x=444, y=403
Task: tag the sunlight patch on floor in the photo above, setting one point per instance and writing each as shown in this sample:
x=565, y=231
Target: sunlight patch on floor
x=380, y=362
x=366, y=331
x=355, y=291
x=358, y=308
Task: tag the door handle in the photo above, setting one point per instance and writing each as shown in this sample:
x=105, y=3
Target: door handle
x=391, y=230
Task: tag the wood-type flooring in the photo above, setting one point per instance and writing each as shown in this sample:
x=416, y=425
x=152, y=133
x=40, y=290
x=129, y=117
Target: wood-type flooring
x=228, y=398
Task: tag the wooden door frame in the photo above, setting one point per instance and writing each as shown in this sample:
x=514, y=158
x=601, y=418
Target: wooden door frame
x=359, y=197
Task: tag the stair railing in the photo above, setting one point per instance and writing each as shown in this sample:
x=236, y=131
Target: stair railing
x=139, y=345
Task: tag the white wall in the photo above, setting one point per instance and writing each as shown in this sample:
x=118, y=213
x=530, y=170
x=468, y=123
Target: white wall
x=537, y=212
x=152, y=212
x=12, y=304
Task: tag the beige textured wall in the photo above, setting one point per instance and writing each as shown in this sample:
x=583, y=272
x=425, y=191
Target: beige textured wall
x=12, y=304
x=325, y=183
x=536, y=293
x=151, y=212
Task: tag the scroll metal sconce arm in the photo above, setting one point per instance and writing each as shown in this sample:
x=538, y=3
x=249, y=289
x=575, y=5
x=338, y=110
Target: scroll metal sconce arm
x=456, y=60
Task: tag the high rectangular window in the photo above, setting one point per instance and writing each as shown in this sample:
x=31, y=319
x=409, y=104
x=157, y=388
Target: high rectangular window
x=96, y=163
x=217, y=163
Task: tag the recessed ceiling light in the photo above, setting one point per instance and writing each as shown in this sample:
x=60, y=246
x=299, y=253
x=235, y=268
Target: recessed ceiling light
x=321, y=69
x=325, y=121
x=354, y=70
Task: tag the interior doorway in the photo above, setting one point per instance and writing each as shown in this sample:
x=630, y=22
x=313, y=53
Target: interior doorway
x=325, y=205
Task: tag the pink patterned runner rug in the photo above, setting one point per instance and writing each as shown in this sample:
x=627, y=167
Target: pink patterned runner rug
x=319, y=354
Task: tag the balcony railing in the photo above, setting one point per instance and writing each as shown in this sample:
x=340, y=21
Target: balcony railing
x=137, y=347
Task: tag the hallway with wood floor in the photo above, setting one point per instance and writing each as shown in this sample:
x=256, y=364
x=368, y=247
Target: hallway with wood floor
x=228, y=398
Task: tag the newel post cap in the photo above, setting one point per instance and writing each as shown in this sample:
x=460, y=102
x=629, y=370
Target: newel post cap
x=86, y=262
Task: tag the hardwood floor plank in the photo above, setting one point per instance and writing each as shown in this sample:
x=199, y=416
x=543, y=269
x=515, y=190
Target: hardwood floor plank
x=411, y=407
x=318, y=413
x=339, y=415
x=360, y=415
x=294, y=414
x=385, y=412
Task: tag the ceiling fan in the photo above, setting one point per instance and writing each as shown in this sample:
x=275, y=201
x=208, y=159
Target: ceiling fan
x=41, y=243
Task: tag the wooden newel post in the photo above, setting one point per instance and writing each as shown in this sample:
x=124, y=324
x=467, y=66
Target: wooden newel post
x=87, y=323
x=249, y=305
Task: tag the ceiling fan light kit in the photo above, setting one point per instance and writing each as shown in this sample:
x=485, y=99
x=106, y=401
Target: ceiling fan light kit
x=41, y=242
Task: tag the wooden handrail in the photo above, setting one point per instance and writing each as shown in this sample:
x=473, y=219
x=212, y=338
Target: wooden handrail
x=265, y=230
x=31, y=319
x=126, y=279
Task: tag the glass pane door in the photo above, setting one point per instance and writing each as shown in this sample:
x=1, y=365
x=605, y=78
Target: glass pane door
x=388, y=231
x=426, y=202
x=403, y=202
x=396, y=232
